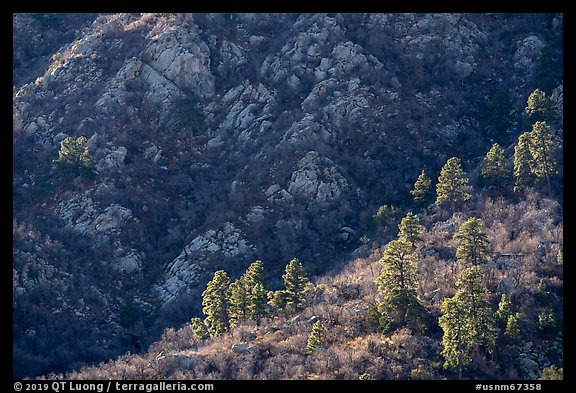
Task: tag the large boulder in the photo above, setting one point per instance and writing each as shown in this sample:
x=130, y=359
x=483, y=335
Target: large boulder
x=183, y=58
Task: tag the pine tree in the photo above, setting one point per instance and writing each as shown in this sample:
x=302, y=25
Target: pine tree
x=277, y=299
x=398, y=267
x=422, y=191
x=410, y=229
x=523, y=175
x=534, y=157
x=452, y=184
x=457, y=345
x=467, y=321
x=386, y=217
x=315, y=338
x=472, y=242
x=541, y=147
x=494, y=172
x=199, y=329
x=398, y=282
x=504, y=310
x=539, y=106
x=512, y=331
x=295, y=280
x=238, y=308
x=216, y=302
x=254, y=274
x=247, y=295
x=474, y=295
x=73, y=157
x=552, y=373
x=257, y=302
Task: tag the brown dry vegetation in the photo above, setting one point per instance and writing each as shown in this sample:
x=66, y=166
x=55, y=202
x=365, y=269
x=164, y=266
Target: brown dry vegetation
x=525, y=237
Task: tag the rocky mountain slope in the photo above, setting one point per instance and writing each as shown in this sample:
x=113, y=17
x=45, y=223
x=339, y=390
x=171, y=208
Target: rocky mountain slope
x=217, y=139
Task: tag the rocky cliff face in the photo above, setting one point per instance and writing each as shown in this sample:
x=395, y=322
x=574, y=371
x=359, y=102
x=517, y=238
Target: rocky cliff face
x=221, y=138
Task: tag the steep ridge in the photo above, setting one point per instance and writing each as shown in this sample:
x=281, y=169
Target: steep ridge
x=218, y=139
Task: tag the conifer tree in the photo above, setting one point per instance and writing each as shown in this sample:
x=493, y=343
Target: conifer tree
x=539, y=106
x=472, y=243
x=398, y=267
x=512, y=331
x=523, y=176
x=257, y=302
x=457, y=345
x=410, y=229
x=467, y=321
x=73, y=157
x=494, y=172
x=504, y=310
x=315, y=338
x=552, y=373
x=277, y=299
x=295, y=279
x=199, y=329
x=386, y=217
x=247, y=295
x=216, y=302
x=398, y=282
x=473, y=293
x=422, y=191
x=238, y=308
x=452, y=184
x=541, y=147
x=534, y=157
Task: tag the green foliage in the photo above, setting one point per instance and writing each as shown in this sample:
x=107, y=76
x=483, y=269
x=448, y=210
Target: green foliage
x=401, y=307
x=494, y=172
x=277, y=299
x=467, y=321
x=372, y=318
x=539, y=107
x=247, y=295
x=257, y=302
x=472, y=243
x=295, y=280
x=457, y=345
x=422, y=191
x=386, y=216
x=552, y=373
x=452, y=183
x=512, y=331
x=547, y=323
x=365, y=377
x=542, y=295
x=399, y=283
x=315, y=338
x=216, y=303
x=74, y=158
x=410, y=230
x=199, y=329
x=238, y=309
x=541, y=146
x=523, y=175
x=474, y=294
x=398, y=267
x=504, y=310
